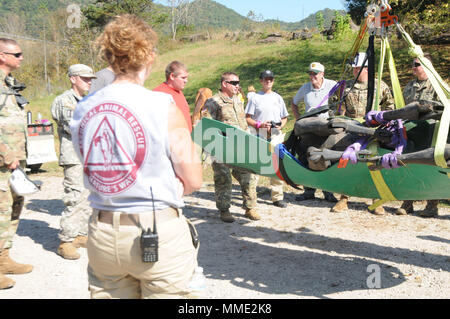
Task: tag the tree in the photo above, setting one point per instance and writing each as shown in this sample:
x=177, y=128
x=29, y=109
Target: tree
x=101, y=12
x=179, y=13
x=320, y=21
x=426, y=11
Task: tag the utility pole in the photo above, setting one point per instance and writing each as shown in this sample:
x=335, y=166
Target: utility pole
x=45, y=62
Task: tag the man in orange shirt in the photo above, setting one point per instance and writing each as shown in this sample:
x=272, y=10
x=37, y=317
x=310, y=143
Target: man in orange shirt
x=176, y=79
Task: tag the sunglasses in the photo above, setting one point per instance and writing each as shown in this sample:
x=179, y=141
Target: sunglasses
x=17, y=55
x=233, y=82
x=416, y=65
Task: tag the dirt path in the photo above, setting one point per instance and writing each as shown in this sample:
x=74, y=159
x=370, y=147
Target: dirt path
x=303, y=251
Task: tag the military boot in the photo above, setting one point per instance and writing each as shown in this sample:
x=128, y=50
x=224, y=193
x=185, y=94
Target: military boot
x=307, y=194
x=5, y=282
x=9, y=266
x=80, y=241
x=226, y=216
x=329, y=197
x=68, y=251
x=406, y=208
x=377, y=211
x=252, y=214
x=341, y=205
x=431, y=210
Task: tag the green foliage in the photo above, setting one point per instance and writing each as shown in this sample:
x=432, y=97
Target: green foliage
x=320, y=21
x=210, y=14
x=310, y=21
x=342, y=26
x=30, y=12
x=426, y=11
x=101, y=12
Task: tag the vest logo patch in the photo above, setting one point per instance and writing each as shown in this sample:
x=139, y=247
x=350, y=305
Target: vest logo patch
x=115, y=147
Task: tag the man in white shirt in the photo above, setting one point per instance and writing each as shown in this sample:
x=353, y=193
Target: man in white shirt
x=315, y=95
x=266, y=115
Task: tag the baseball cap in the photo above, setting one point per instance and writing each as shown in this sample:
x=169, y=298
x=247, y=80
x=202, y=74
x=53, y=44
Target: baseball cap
x=266, y=74
x=81, y=70
x=316, y=67
x=359, y=59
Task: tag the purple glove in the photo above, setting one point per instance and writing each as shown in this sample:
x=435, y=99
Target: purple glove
x=350, y=152
x=398, y=141
x=389, y=160
x=375, y=118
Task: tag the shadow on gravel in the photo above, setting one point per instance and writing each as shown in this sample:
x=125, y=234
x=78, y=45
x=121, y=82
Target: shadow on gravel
x=435, y=238
x=235, y=257
x=48, y=206
x=40, y=232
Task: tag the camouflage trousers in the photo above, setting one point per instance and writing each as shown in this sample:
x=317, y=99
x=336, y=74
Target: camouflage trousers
x=11, y=206
x=223, y=186
x=75, y=217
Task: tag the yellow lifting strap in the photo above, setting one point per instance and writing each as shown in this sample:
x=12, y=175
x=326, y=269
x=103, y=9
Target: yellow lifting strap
x=377, y=178
x=443, y=93
x=380, y=184
x=396, y=88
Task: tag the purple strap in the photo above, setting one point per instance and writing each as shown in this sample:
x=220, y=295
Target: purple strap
x=340, y=84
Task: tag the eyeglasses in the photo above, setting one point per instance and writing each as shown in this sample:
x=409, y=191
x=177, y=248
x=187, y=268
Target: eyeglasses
x=416, y=64
x=17, y=55
x=233, y=82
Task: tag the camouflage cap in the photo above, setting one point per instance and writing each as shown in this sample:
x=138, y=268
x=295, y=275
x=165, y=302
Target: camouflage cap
x=81, y=70
x=316, y=67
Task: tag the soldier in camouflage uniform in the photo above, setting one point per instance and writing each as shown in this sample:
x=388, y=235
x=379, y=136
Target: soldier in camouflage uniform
x=75, y=217
x=354, y=106
x=225, y=106
x=12, y=155
x=419, y=89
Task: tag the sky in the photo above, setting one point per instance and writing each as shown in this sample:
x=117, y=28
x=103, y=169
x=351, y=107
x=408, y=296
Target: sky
x=283, y=10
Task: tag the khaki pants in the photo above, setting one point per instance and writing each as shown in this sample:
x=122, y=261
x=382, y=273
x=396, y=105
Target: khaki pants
x=276, y=184
x=276, y=188
x=115, y=268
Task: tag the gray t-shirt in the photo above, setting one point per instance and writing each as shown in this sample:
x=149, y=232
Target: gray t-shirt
x=266, y=107
x=312, y=97
x=104, y=77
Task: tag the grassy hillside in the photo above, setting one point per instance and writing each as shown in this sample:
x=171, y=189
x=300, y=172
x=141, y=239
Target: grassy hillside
x=287, y=59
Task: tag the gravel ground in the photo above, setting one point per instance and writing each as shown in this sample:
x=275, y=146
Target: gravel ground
x=303, y=251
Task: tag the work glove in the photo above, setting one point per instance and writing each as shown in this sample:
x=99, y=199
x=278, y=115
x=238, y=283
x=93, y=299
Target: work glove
x=398, y=141
x=389, y=160
x=398, y=134
x=375, y=118
x=350, y=152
